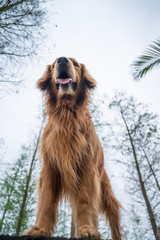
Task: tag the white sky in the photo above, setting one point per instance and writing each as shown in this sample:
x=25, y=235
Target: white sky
x=106, y=36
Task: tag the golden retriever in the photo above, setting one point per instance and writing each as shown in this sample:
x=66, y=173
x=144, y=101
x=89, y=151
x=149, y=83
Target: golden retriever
x=73, y=162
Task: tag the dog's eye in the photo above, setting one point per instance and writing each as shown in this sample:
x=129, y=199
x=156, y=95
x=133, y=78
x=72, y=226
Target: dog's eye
x=75, y=64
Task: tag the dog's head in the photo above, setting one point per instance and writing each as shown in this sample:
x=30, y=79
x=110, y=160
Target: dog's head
x=65, y=80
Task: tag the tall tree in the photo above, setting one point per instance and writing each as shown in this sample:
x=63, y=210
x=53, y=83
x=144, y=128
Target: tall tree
x=26, y=192
x=17, y=190
x=139, y=140
x=144, y=63
x=11, y=191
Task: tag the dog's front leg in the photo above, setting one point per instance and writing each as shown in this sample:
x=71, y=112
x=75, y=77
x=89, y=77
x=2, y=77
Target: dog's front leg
x=86, y=208
x=49, y=194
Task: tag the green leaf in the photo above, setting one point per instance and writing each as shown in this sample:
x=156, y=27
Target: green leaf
x=147, y=61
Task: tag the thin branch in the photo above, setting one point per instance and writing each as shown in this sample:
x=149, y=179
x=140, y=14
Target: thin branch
x=15, y=54
x=8, y=7
x=155, y=205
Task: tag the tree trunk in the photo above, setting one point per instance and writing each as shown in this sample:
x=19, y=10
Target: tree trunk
x=23, y=205
x=143, y=190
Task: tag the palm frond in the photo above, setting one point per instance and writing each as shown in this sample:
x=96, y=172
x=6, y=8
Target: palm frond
x=147, y=61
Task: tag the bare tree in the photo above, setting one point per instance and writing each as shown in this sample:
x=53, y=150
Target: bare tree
x=138, y=139
x=21, y=31
x=28, y=182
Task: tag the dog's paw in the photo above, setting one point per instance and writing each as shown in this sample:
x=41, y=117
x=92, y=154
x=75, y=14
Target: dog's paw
x=87, y=231
x=37, y=231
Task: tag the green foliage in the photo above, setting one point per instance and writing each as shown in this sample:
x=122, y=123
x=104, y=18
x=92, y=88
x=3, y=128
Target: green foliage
x=12, y=188
x=17, y=189
x=147, y=61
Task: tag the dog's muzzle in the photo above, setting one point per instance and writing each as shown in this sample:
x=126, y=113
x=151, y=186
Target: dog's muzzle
x=64, y=79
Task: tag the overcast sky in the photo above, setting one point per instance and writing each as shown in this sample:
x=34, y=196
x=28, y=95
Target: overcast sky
x=106, y=36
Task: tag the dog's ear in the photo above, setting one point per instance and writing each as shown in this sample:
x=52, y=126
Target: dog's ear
x=88, y=80
x=44, y=81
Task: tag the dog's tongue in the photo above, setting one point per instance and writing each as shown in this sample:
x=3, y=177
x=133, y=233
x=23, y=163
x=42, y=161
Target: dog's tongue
x=64, y=80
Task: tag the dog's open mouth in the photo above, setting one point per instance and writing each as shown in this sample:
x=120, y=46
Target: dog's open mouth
x=64, y=78
x=65, y=81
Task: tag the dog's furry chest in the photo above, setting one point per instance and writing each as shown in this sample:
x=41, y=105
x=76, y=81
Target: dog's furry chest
x=67, y=145
x=68, y=150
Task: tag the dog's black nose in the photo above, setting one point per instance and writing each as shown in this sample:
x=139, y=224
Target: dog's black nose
x=62, y=61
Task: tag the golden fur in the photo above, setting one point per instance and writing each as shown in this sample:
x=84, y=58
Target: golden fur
x=73, y=162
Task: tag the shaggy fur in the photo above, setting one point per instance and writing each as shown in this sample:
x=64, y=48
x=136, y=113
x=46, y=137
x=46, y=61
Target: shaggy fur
x=73, y=162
